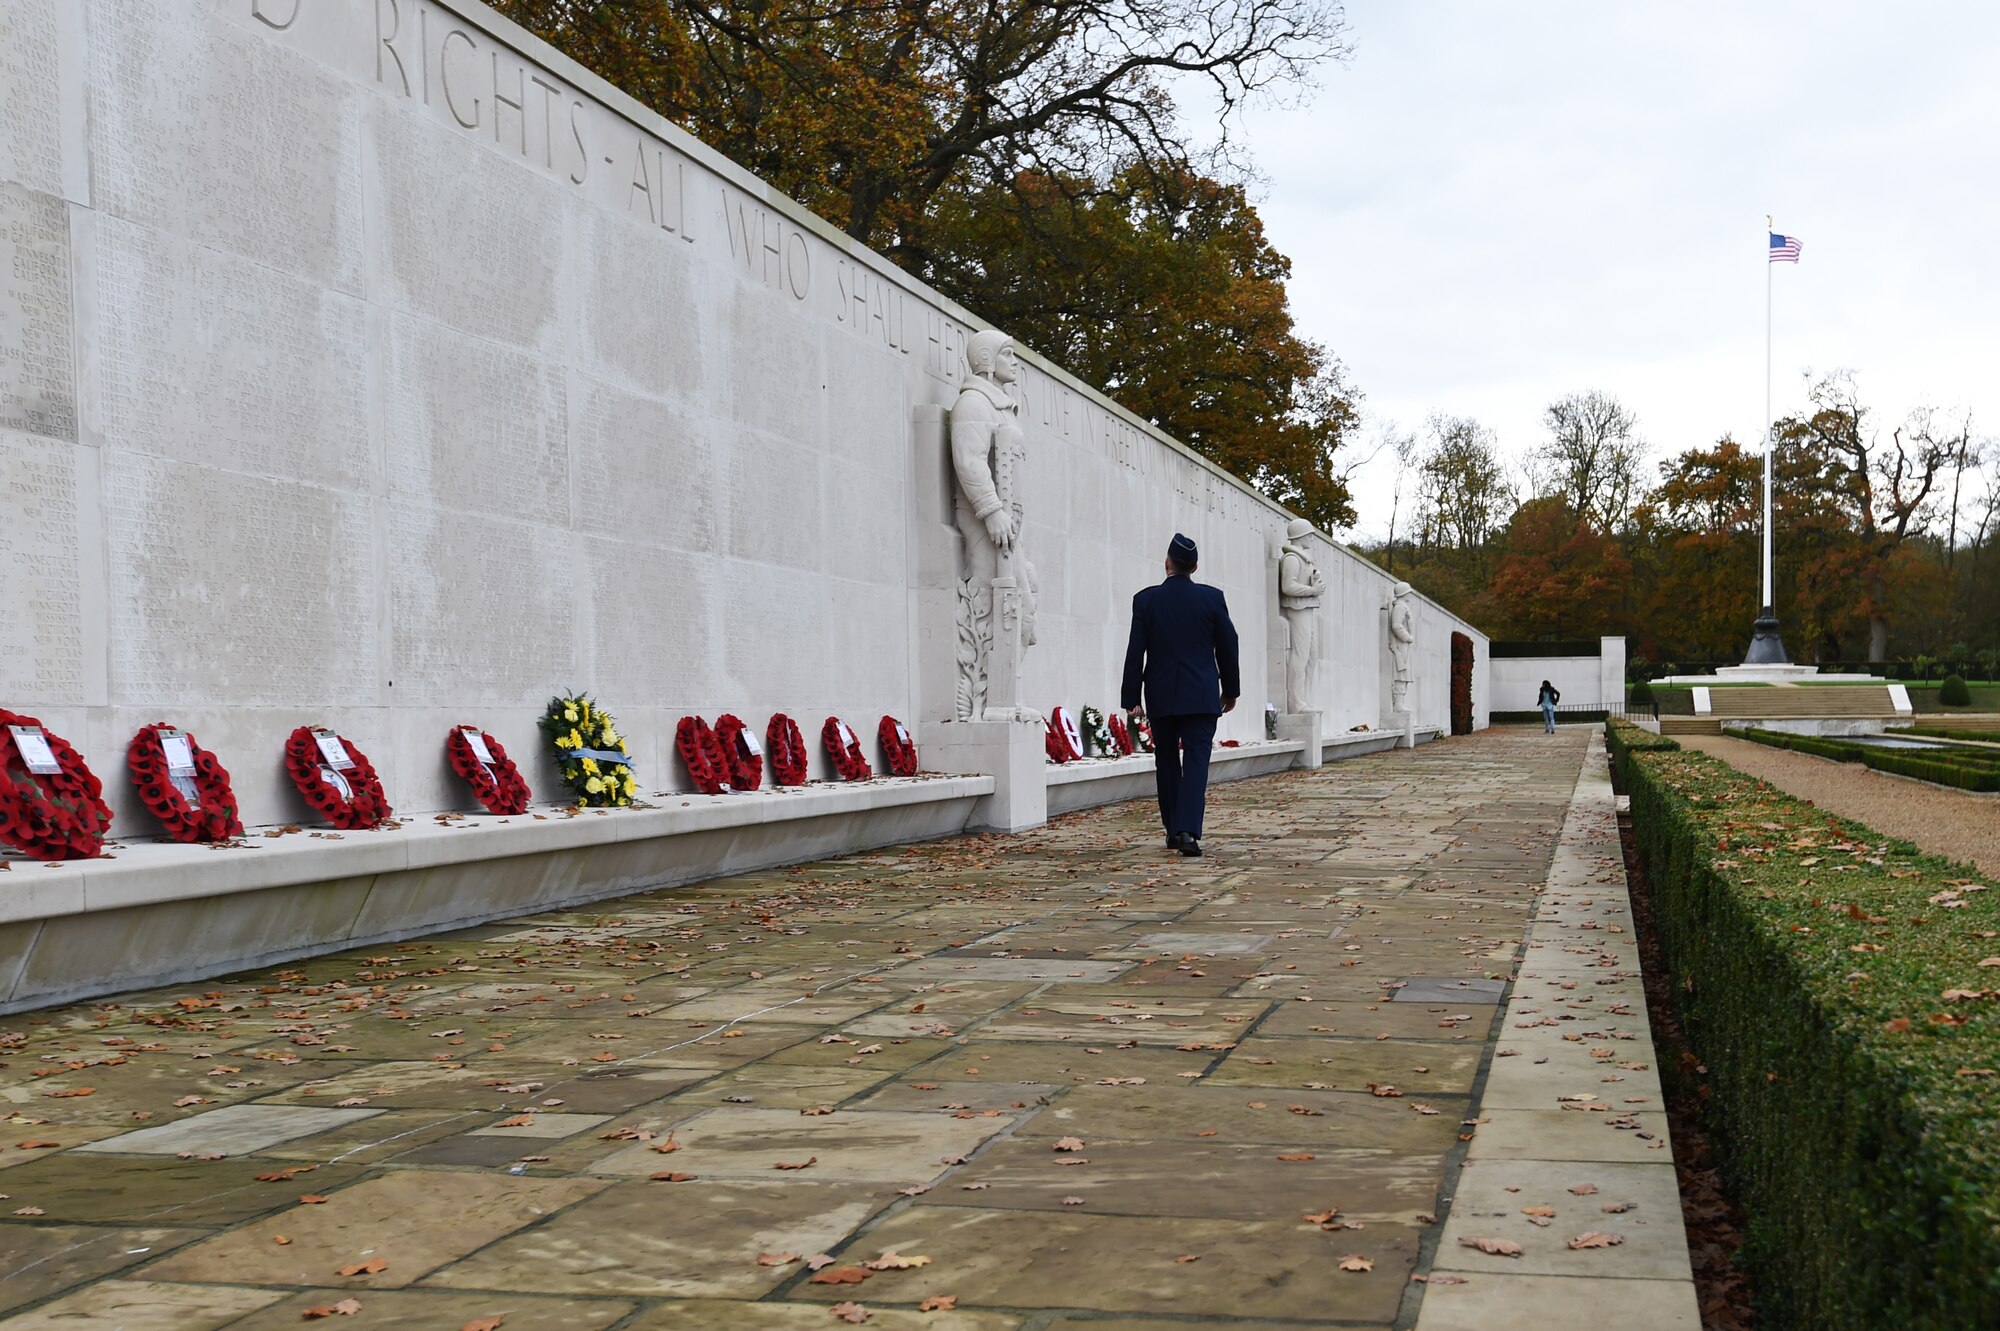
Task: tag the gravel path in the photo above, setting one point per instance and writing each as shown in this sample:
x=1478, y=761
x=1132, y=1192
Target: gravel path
x=1949, y=822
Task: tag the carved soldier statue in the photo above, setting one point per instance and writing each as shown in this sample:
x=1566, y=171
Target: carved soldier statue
x=1402, y=636
x=1299, y=589
x=996, y=590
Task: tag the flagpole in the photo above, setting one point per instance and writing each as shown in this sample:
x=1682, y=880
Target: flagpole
x=1767, y=646
x=1769, y=602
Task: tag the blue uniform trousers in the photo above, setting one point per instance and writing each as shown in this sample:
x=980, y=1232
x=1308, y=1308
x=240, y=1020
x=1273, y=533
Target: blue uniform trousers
x=1180, y=766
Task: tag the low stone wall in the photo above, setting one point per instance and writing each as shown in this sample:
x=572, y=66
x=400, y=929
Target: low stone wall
x=159, y=913
x=1093, y=781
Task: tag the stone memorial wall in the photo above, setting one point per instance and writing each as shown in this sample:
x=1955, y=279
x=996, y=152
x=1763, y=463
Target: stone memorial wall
x=367, y=363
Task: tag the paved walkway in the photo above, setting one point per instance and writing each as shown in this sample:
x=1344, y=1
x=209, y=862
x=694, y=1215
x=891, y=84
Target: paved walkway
x=1958, y=823
x=1053, y=1081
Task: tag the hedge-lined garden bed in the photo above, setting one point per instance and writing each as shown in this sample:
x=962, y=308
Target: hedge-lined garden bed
x=1964, y=769
x=1843, y=991
x=1946, y=732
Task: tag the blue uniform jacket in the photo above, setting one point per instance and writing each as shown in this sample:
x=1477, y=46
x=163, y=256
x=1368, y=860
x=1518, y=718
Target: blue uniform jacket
x=1183, y=650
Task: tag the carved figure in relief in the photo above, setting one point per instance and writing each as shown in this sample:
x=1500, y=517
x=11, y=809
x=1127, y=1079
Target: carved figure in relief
x=1299, y=590
x=997, y=585
x=1402, y=637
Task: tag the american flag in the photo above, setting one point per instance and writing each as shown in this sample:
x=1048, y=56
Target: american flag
x=1784, y=249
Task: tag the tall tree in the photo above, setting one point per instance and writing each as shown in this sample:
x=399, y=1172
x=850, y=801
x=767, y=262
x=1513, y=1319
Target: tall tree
x=1592, y=458
x=1463, y=495
x=1696, y=551
x=1557, y=575
x=1890, y=491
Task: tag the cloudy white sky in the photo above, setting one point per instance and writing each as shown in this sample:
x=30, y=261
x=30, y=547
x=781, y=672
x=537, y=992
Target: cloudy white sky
x=1493, y=205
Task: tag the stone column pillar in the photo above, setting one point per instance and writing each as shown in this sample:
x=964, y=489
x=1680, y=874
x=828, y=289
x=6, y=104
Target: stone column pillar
x=1013, y=753
x=1304, y=726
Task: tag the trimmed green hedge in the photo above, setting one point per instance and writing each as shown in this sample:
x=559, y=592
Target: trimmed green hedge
x=1622, y=737
x=1948, y=732
x=1830, y=979
x=1963, y=769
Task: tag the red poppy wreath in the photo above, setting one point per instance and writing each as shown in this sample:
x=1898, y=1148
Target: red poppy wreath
x=57, y=813
x=1064, y=744
x=1121, y=736
x=899, y=751
x=699, y=748
x=349, y=797
x=483, y=763
x=740, y=750
x=844, y=747
x=183, y=785
x=789, y=759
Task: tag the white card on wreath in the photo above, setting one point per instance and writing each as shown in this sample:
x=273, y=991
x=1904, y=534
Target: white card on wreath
x=338, y=782
x=902, y=735
x=35, y=750
x=180, y=753
x=478, y=743
x=846, y=735
x=750, y=743
x=186, y=786
x=333, y=750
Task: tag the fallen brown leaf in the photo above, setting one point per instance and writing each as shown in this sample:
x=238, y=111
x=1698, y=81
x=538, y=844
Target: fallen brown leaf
x=1497, y=1247
x=802, y=1164
x=367, y=1268
x=890, y=1261
x=840, y=1275
x=849, y=1312
x=776, y=1258
x=1596, y=1239
x=345, y=1308
x=1296, y=1157
x=939, y=1303
x=484, y=1323
x=672, y=1176
x=1353, y=1263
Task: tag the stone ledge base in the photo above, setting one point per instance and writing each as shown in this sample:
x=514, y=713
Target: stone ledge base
x=1089, y=782
x=162, y=913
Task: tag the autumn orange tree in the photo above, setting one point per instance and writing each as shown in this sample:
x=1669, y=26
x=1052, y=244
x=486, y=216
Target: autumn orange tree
x=1695, y=551
x=1029, y=159
x=1558, y=575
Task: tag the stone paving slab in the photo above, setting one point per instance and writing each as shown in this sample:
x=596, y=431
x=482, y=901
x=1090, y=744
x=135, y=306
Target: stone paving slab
x=1092, y=1083
x=1574, y=1124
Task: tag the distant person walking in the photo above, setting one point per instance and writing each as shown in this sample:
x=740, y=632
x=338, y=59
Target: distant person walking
x=1547, y=700
x=1183, y=651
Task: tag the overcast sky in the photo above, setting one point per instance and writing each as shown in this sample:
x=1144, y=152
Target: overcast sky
x=1493, y=205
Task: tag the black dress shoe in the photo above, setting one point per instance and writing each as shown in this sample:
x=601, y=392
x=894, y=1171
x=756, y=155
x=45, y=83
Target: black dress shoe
x=1190, y=847
x=1173, y=841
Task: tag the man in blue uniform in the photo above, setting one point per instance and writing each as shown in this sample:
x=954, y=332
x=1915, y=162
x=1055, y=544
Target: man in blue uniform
x=1183, y=650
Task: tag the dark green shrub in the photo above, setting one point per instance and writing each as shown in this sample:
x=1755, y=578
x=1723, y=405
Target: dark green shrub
x=1964, y=769
x=1622, y=737
x=1642, y=692
x=1953, y=693
x=1830, y=980
x=1946, y=732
